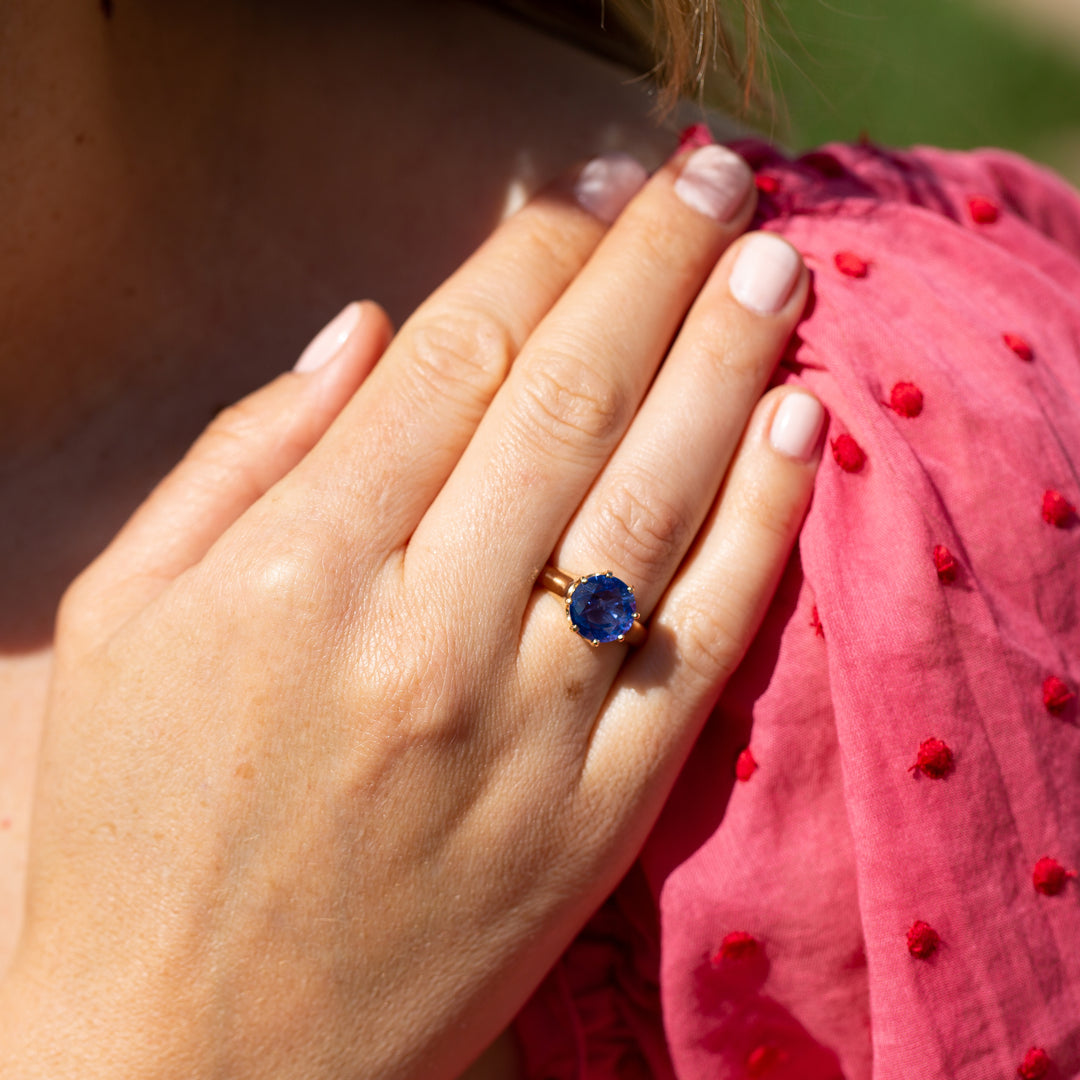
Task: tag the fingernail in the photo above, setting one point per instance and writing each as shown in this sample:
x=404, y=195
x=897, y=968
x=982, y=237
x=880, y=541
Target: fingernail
x=765, y=273
x=714, y=182
x=608, y=183
x=796, y=427
x=329, y=340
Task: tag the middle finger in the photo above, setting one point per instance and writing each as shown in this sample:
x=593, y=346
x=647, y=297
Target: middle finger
x=581, y=376
x=650, y=500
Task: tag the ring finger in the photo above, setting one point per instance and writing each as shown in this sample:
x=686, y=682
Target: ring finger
x=706, y=619
x=649, y=502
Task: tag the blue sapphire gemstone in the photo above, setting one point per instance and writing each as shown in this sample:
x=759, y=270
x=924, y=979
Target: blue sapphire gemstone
x=601, y=608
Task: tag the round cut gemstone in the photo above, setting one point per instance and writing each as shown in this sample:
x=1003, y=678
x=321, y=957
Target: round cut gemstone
x=601, y=608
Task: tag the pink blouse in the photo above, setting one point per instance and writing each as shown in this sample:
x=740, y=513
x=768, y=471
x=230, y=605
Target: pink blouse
x=868, y=866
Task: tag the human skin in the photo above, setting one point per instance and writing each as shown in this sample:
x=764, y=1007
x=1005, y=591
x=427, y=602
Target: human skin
x=170, y=242
x=241, y=719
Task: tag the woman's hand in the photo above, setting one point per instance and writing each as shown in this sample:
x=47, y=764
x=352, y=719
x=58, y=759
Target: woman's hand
x=327, y=783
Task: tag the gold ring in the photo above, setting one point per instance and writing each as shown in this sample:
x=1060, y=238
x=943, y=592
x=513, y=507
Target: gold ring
x=600, y=608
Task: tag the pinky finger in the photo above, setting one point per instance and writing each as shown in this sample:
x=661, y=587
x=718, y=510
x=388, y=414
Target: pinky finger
x=710, y=613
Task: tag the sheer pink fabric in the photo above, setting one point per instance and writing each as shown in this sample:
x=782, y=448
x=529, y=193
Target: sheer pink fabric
x=868, y=903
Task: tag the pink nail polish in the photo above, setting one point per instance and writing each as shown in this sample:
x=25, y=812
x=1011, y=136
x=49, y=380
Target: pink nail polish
x=715, y=182
x=606, y=184
x=796, y=427
x=764, y=274
x=328, y=341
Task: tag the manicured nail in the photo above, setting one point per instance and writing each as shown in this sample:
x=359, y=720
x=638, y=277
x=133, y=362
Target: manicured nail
x=765, y=273
x=608, y=183
x=714, y=182
x=796, y=427
x=329, y=340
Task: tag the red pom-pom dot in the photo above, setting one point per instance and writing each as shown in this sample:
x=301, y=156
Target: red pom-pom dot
x=694, y=136
x=815, y=622
x=935, y=760
x=1036, y=1064
x=767, y=185
x=944, y=563
x=847, y=262
x=738, y=945
x=922, y=940
x=848, y=453
x=983, y=211
x=1056, y=509
x=1050, y=877
x=906, y=399
x=745, y=765
x=1019, y=346
x=1056, y=694
x=763, y=1059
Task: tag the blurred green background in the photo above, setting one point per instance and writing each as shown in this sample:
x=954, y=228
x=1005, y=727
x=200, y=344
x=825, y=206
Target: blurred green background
x=957, y=73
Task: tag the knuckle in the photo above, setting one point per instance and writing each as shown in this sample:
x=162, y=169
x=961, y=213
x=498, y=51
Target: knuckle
x=547, y=246
x=462, y=356
x=642, y=528
x=433, y=726
x=737, y=357
x=295, y=583
x=564, y=403
x=425, y=703
x=223, y=454
x=236, y=422
x=709, y=647
x=290, y=577
x=656, y=235
x=766, y=512
x=663, y=248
